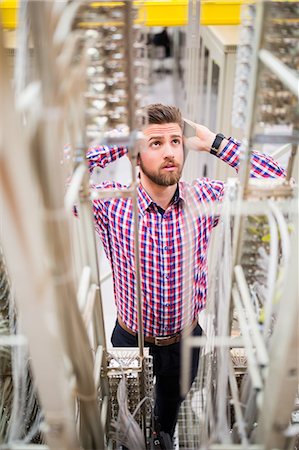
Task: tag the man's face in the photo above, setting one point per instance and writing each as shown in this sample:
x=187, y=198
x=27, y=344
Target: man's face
x=162, y=159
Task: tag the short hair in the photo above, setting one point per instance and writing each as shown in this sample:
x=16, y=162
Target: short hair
x=157, y=113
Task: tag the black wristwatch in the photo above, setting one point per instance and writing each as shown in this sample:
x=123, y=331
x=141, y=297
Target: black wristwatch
x=216, y=144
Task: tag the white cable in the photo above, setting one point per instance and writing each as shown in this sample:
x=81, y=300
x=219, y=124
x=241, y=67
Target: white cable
x=281, y=151
x=284, y=234
x=128, y=432
x=139, y=405
x=74, y=187
x=272, y=271
x=280, y=285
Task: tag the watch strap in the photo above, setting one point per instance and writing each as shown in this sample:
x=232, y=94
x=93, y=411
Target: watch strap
x=216, y=144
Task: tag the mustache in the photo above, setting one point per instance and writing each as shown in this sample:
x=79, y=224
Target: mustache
x=168, y=163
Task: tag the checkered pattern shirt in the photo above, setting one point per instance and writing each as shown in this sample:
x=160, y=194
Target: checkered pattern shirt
x=173, y=245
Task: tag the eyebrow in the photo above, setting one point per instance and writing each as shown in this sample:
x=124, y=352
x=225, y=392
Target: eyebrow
x=162, y=136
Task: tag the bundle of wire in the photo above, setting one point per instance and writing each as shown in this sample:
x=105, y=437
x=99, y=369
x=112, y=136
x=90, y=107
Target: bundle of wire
x=127, y=431
x=20, y=415
x=205, y=406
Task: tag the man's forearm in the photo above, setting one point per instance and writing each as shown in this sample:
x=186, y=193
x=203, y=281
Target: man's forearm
x=102, y=155
x=262, y=165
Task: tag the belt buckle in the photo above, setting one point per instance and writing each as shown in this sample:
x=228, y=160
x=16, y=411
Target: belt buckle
x=159, y=340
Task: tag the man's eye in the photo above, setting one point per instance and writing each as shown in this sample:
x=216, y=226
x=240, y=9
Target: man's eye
x=176, y=141
x=155, y=144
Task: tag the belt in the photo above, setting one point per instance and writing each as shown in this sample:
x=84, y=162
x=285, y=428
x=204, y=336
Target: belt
x=161, y=341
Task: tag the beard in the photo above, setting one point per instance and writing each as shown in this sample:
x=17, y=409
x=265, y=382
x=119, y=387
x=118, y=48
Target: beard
x=160, y=178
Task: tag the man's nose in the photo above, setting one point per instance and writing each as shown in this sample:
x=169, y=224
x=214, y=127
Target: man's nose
x=168, y=150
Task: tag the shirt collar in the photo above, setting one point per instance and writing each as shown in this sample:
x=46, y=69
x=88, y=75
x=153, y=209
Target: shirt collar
x=144, y=199
x=182, y=190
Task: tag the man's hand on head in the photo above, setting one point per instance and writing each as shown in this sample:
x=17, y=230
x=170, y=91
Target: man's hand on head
x=203, y=139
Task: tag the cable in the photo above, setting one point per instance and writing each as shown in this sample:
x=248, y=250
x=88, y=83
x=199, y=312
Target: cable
x=272, y=271
x=285, y=248
x=128, y=432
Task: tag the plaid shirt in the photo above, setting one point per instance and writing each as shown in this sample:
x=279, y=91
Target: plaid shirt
x=173, y=245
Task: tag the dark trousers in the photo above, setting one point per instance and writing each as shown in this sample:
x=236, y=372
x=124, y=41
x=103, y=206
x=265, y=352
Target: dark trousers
x=167, y=365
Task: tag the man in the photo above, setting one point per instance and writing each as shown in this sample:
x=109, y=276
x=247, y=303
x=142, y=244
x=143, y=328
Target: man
x=164, y=229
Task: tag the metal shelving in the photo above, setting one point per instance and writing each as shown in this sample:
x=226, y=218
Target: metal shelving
x=253, y=293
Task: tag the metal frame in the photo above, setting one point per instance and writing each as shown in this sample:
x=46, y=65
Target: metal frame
x=47, y=292
x=221, y=43
x=272, y=361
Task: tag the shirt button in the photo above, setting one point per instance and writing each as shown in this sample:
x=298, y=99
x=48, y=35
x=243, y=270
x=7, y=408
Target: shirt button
x=167, y=277
x=166, y=304
x=165, y=328
x=166, y=247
